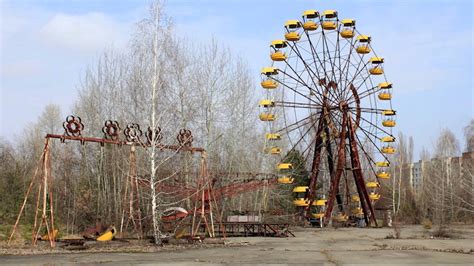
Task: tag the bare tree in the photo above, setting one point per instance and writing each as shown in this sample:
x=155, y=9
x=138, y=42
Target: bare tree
x=469, y=135
x=442, y=176
x=400, y=168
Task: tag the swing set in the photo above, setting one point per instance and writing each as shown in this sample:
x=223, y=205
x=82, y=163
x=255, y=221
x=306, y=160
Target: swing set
x=203, y=205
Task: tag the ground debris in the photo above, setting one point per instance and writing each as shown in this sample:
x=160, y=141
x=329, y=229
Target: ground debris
x=423, y=248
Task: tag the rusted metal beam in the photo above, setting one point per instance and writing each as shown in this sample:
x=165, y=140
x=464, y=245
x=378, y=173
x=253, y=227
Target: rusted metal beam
x=311, y=194
x=341, y=163
x=358, y=177
x=120, y=142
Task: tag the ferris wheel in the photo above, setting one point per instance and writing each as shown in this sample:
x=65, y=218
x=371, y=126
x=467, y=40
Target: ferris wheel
x=327, y=94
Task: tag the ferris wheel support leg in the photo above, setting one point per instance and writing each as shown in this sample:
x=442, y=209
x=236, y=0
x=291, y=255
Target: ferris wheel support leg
x=359, y=179
x=341, y=162
x=315, y=167
x=331, y=165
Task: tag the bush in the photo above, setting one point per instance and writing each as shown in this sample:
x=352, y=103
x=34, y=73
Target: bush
x=442, y=232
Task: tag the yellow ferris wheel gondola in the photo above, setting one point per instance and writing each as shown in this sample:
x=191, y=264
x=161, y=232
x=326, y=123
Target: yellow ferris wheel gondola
x=385, y=87
x=329, y=20
x=318, y=215
x=372, y=185
x=300, y=193
x=376, y=65
x=300, y=189
x=388, y=139
x=389, y=112
x=383, y=175
x=286, y=180
x=277, y=54
x=267, y=117
x=266, y=103
x=309, y=20
x=269, y=84
x=385, y=96
x=274, y=150
x=348, y=28
x=374, y=196
x=382, y=164
x=363, y=44
x=388, y=123
x=292, y=27
x=285, y=166
x=388, y=150
x=273, y=136
x=267, y=81
x=320, y=202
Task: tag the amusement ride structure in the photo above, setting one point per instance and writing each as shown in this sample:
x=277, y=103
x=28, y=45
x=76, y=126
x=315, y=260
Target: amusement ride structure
x=206, y=191
x=327, y=93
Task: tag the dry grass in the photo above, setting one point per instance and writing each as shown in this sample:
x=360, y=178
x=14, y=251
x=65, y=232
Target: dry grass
x=427, y=224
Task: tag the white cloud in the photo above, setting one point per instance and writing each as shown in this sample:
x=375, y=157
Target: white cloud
x=83, y=33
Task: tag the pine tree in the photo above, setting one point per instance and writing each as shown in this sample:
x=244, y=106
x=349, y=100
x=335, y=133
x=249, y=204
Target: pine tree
x=299, y=172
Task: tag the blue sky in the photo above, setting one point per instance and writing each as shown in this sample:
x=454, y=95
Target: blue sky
x=427, y=45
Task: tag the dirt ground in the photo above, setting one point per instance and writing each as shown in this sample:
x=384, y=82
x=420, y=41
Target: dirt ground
x=310, y=246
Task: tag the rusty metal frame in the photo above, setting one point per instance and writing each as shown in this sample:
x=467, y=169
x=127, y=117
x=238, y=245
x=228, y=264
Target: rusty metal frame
x=336, y=176
x=358, y=177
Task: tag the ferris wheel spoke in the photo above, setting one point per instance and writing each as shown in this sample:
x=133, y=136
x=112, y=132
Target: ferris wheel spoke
x=315, y=55
x=293, y=89
x=369, y=92
x=357, y=73
x=362, y=81
x=302, y=137
x=348, y=60
x=366, y=133
x=310, y=71
x=338, y=119
x=367, y=110
x=308, y=130
x=307, y=149
x=297, y=105
x=300, y=78
x=296, y=124
x=366, y=154
x=369, y=159
x=325, y=44
x=374, y=125
x=337, y=51
x=345, y=69
x=297, y=80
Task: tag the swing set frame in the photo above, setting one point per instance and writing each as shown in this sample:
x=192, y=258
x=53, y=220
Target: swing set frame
x=73, y=127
